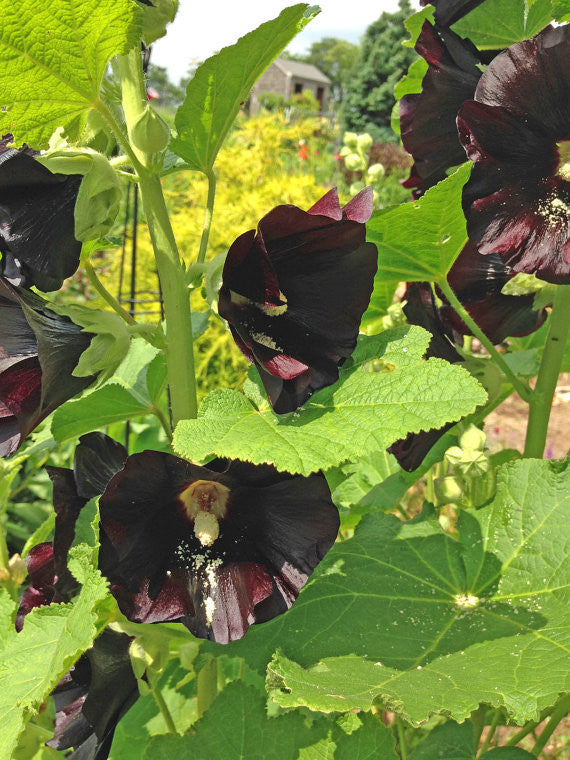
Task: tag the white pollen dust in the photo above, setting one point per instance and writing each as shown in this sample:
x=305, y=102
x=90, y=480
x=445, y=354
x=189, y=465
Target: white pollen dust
x=466, y=601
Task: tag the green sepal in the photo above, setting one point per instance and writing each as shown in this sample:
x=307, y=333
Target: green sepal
x=100, y=193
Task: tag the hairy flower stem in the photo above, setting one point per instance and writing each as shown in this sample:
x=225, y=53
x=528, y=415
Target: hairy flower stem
x=491, y=732
x=541, y=402
x=105, y=295
x=179, y=351
x=164, y=711
x=207, y=216
x=521, y=388
x=560, y=712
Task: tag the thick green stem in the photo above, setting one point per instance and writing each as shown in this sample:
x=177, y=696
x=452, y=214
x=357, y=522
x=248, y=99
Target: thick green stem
x=179, y=345
x=541, y=402
x=165, y=712
x=520, y=387
x=207, y=216
x=105, y=295
x=559, y=713
x=179, y=351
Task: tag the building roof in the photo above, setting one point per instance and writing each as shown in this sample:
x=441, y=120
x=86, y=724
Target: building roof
x=302, y=70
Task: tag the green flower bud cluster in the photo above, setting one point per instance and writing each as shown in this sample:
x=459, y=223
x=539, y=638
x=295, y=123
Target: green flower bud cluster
x=472, y=483
x=355, y=153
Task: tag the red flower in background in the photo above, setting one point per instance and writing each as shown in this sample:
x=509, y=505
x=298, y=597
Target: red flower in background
x=294, y=292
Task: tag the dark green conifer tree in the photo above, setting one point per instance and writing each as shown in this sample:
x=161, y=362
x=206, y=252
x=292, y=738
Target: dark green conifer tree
x=383, y=60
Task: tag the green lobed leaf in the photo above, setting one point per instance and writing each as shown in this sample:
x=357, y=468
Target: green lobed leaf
x=221, y=85
x=411, y=83
x=407, y=614
x=420, y=240
x=53, y=58
x=236, y=727
x=370, y=408
x=33, y=661
x=499, y=23
x=130, y=393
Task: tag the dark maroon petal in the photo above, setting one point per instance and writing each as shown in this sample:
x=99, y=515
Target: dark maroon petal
x=428, y=120
x=413, y=449
x=97, y=459
x=328, y=205
x=287, y=395
x=37, y=219
x=9, y=432
x=499, y=316
x=41, y=591
x=530, y=80
x=517, y=200
x=39, y=350
x=93, y=697
x=360, y=208
x=275, y=529
x=248, y=271
x=447, y=12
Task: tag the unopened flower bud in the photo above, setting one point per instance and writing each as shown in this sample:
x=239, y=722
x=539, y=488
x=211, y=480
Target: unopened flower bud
x=350, y=139
x=353, y=162
x=473, y=439
x=449, y=490
x=375, y=172
x=18, y=569
x=364, y=142
x=150, y=133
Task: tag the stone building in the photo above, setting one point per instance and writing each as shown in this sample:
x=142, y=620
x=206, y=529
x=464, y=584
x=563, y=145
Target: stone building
x=288, y=78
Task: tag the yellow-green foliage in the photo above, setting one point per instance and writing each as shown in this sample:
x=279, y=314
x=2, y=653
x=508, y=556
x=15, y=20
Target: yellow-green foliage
x=258, y=168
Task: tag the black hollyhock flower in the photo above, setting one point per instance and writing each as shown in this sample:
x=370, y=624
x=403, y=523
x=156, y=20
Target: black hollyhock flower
x=36, y=221
x=38, y=351
x=428, y=119
x=294, y=293
x=91, y=699
x=447, y=12
x=517, y=133
x=41, y=572
x=97, y=459
x=218, y=547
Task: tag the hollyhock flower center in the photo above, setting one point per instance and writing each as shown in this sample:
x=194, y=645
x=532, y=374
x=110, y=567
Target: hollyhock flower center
x=205, y=502
x=564, y=165
x=270, y=309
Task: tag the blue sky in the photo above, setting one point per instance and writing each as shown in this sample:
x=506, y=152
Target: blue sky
x=203, y=27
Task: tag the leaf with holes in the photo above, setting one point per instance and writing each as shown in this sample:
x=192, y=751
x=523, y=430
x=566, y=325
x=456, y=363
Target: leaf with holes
x=429, y=623
x=53, y=57
x=386, y=391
